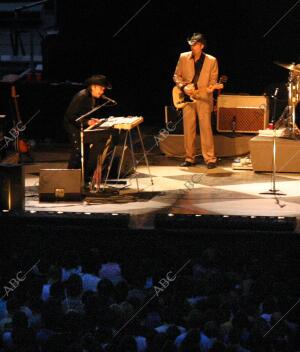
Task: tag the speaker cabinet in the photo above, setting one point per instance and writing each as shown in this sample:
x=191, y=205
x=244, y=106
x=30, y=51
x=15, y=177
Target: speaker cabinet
x=60, y=185
x=242, y=113
x=12, y=187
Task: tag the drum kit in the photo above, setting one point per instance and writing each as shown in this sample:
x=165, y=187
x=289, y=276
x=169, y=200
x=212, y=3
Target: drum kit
x=292, y=115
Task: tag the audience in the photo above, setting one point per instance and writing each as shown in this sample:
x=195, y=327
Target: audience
x=218, y=303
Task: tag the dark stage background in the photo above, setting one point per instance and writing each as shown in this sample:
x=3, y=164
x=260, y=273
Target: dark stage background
x=140, y=59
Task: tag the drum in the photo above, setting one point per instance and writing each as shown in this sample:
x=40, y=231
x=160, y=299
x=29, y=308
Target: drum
x=296, y=84
x=294, y=96
x=297, y=117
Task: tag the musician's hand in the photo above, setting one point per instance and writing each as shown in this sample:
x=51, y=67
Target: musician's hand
x=189, y=89
x=210, y=88
x=92, y=122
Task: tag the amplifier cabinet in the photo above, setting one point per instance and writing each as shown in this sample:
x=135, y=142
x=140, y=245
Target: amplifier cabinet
x=60, y=185
x=242, y=113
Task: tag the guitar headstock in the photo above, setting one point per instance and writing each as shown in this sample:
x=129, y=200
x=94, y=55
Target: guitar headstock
x=13, y=92
x=223, y=79
x=219, y=86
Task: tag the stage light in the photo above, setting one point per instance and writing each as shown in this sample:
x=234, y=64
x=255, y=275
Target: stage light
x=224, y=222
x=61, y=218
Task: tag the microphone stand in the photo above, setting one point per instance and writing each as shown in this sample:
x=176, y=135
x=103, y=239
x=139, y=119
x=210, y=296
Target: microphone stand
x=80, y=119
x=273, y=190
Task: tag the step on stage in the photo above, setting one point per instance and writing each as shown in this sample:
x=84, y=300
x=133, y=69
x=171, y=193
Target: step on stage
x=195, y=197
x=287, y=154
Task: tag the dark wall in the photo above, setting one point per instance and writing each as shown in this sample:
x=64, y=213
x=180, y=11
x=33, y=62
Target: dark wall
x=141, y=58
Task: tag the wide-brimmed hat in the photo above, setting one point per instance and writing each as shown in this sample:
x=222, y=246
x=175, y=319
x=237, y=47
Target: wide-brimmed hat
x=100, y=80
x=197, y=38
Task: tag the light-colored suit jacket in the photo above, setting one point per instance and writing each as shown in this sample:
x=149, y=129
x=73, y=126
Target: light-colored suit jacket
x=185, y=71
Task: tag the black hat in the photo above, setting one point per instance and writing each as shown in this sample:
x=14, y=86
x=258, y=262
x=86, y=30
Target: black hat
x=197, y=38
x=100, y=80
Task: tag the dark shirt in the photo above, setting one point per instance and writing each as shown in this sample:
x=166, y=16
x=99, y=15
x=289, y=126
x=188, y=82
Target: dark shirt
x=198, y=67
x=81, y=103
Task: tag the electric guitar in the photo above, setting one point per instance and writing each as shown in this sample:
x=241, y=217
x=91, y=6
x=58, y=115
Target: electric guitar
x=180, y=99
x=21, y=146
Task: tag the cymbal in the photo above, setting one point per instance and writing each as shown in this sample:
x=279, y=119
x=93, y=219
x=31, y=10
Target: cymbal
x=291, y=67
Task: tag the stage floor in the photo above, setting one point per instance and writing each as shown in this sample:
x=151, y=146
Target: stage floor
x=177, y=190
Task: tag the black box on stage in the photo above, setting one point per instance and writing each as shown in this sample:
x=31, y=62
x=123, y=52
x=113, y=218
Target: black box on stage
x=12, y=187
x=127, y=165
x=173, y=120
x=60, y=185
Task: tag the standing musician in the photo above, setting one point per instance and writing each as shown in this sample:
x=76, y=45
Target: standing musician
x=83, y=102
x=197, y=70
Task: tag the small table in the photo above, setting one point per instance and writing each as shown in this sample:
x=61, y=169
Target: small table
x=126, y=124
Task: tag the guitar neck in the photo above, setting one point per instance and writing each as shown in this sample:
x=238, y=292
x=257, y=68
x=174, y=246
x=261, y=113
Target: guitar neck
x=215, y=86
x=14, y=96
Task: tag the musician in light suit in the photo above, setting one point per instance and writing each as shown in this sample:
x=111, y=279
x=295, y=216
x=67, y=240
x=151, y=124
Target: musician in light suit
x=197, y=70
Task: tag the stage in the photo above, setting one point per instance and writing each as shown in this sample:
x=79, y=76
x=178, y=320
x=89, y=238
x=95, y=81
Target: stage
x=192, y=191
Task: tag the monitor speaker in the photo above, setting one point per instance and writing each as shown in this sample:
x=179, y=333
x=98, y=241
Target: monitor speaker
x=60, y=185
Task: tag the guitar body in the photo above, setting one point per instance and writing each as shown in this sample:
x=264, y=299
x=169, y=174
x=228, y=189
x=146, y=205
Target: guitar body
x=180, y=99
x=21, y=146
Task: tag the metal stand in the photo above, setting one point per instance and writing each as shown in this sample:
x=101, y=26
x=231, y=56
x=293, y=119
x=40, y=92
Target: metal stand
x=134, y=162
x=273, y=190
x=82, y=155
x=80, y=119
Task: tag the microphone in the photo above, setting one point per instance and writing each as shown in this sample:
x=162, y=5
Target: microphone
x=109, y=99
x=275, y=93
x=233, y=124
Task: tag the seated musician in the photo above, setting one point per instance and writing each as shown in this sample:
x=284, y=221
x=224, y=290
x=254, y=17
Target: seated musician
x=83, y=102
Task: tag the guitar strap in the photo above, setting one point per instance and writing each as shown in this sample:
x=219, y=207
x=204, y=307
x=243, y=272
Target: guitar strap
x=198, y=67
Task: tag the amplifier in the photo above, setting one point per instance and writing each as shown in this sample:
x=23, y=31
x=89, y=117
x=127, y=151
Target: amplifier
x=242, y=113
x=60, y=185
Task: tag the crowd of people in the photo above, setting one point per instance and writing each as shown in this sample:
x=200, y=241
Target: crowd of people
x=86, y=302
